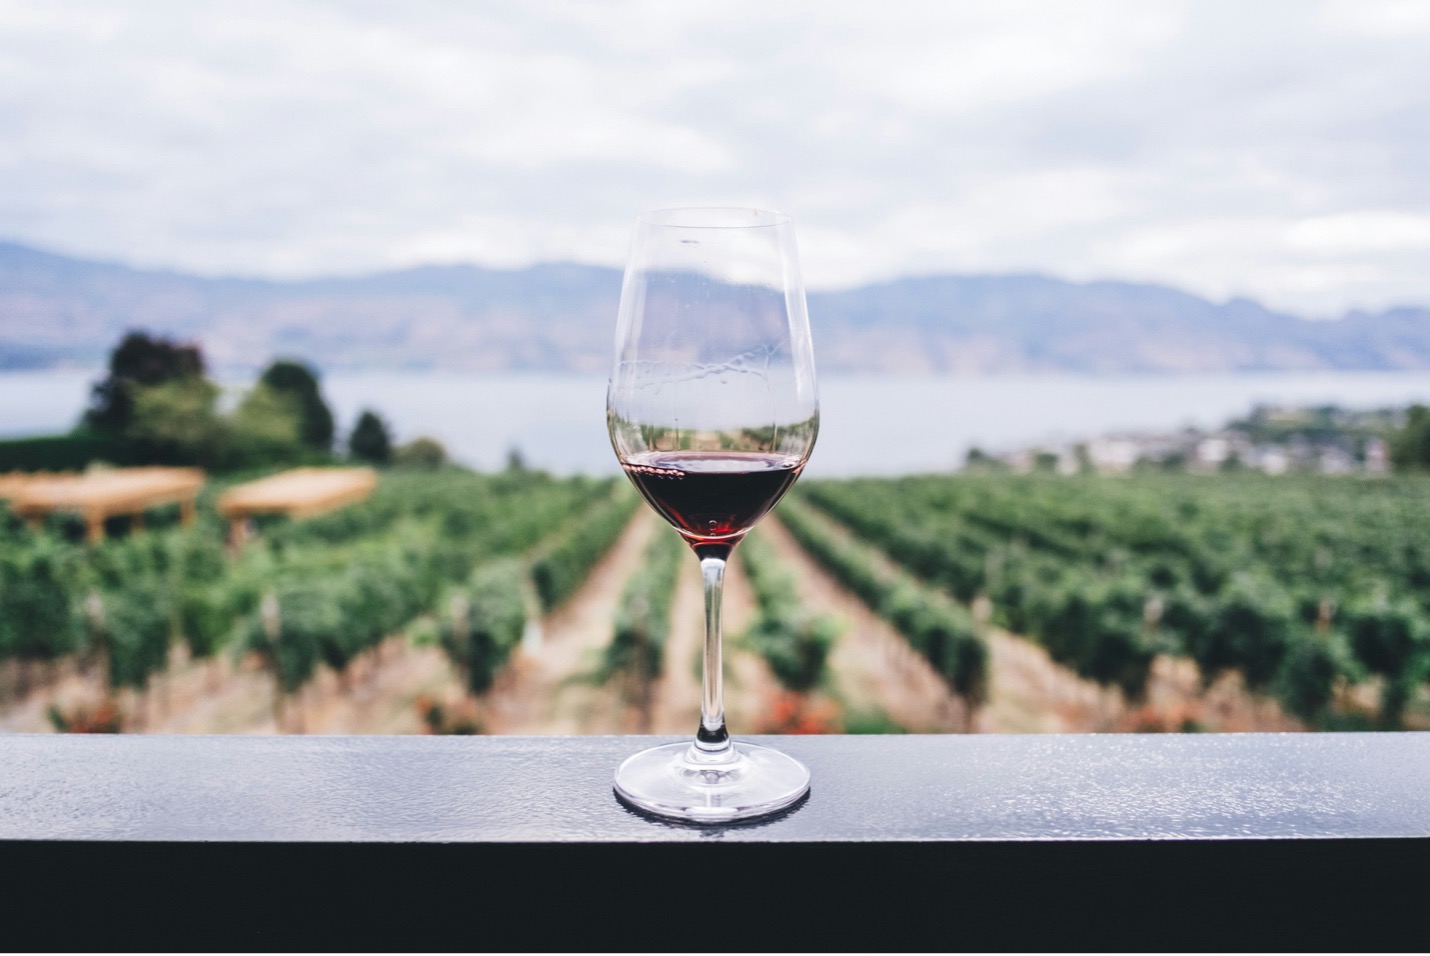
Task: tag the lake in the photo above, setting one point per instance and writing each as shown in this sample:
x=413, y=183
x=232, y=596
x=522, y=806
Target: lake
x=870, y=425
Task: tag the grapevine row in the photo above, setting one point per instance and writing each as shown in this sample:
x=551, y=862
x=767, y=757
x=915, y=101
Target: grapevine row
x=1108, y=574
x=636, y=654
x=303, y=594
x=939, y=630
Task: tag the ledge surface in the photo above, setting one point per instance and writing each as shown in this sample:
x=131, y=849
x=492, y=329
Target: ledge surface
x=865, y=789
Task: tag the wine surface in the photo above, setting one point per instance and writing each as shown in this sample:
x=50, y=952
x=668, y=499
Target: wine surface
x=712, y=497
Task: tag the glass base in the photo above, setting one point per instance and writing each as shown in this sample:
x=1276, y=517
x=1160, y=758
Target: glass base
x=676, y=782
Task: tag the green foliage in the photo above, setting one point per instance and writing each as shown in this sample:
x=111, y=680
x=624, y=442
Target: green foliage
x=637, y=648
x=177, y=422
x=370, y=440
x=1095, y=627
x=370, y=570
x=795, y=647
x=936, y=628
x=138, y=361
x=72, y=452
x=1391, y=639
x=39, y=600
x=157, y=407
x=206, y=618
x=795, y=643
x=420, y=453
x=1312, y=669
x=1410, y=446
x=561, y=568
x=304, y=594
x=290, y=629
x=299, y=382
x=484, y=621
x=1240, y=573
x=867, y=722
x=1387, y=636
x=135, y=626
x=265, y=429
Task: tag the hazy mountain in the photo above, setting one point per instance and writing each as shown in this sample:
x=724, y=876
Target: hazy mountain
x=56, y=310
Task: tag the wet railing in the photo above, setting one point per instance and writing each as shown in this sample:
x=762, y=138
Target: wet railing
x=906, y=842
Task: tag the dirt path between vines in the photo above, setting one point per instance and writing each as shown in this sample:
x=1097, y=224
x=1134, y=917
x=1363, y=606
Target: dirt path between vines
x=873, y=670
x=750, y=688
x=542, y=690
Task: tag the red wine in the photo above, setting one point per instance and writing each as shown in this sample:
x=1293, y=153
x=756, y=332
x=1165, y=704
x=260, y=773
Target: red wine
x=712, y=497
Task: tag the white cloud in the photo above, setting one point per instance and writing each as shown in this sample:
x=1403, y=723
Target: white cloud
x=1361, y=232
x=1277, y=150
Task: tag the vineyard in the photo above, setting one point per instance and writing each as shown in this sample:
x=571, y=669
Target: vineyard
x=1303, y=589
x=455, y=602
x=445, y=553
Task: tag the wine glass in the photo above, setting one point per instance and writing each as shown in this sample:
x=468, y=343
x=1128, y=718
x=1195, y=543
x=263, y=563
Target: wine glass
x=712, y=411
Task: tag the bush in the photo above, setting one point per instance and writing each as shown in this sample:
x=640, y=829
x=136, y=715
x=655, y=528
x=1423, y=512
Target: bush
x=40, y=598
x=561, y=569
x=73, y=452
x=370, y=440
x=136, y=626
x=484, y=622
x=1410, y=446
x=1392, y=639
x=1312, y=667
x=299, y=380
x=637, y=648
x=794, y=643
x=422, y=452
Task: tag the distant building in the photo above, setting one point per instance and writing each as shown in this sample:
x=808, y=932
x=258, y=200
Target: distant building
x=1211, y=452
x=1115, y=454
x=1337, y=461
x=1273, y=440
x=1377, y=457
x=1273, y=460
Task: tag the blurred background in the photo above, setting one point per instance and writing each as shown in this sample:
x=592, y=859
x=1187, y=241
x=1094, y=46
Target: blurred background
x=1120, y=310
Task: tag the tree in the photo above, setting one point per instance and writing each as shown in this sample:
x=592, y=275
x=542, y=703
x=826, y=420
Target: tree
x=370, y=440
x=299, y=381
x=266, y=428
x=1410, y=446
x=138, y=361
x=979, y=460
x=178, y=422
x=421, y=453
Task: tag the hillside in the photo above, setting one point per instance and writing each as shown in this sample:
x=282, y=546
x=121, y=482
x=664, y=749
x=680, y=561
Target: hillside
x=57, y=310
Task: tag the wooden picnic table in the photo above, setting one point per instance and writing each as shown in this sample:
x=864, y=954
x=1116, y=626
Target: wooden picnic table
x=298, y=493
x=97, y=495
x=11, y=482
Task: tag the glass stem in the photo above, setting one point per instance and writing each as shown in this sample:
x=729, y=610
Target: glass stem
x=712, y=741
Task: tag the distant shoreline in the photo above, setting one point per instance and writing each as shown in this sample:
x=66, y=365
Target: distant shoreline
x=871, y=424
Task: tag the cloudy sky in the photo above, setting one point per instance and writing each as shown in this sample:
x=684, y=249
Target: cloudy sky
x=1275, y=150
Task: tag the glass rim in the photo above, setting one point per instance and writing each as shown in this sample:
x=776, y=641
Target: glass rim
x=714, y=217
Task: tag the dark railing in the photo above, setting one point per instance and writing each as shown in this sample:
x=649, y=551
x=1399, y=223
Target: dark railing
x=1315, y=841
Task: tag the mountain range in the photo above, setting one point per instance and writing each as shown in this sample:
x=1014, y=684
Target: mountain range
x=61, y=311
